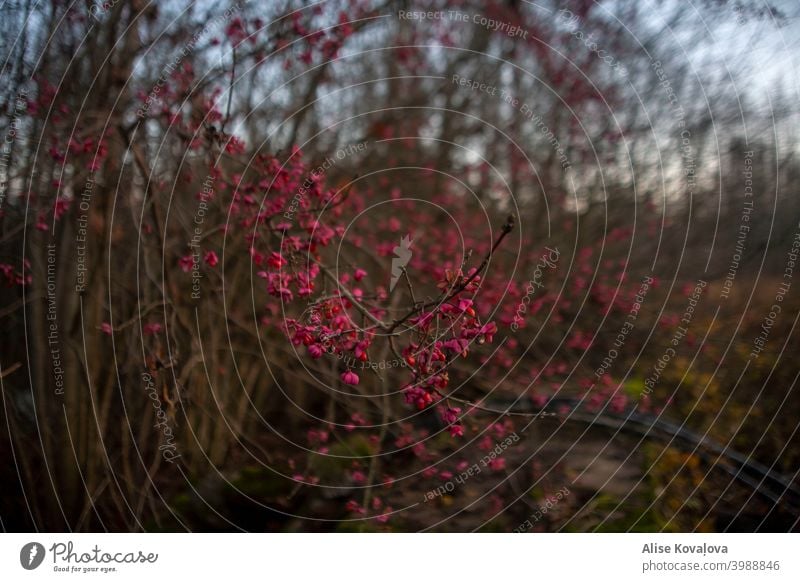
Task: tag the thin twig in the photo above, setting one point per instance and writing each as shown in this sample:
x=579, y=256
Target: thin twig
x=344, y=291
x=408, y=283
x=507, y=228
x=10, y=369
x=230, y=92
x=541, y=414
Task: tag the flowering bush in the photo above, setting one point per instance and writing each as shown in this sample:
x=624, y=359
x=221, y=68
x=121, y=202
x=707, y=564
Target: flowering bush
x=351, y=258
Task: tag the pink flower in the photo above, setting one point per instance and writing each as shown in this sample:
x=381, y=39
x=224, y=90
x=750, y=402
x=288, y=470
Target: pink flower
x=488, y=331
x=211, y=259
x=580, y=341
x=424, y=320
x=456, y=430
x=276, y=261
x=361, y=350
x=350, y=377
x=450, y=415
x=383, y=518
x=105, y=327
x=359, y=274
x=457, y=345
x=497, y=464
x=353, y=507
x=186, y=263
x=315, y=351
x=61, y=206
x=317, y=436
x=234, y=145
x=429, y=472
x=152, y=328
x=465, y=305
